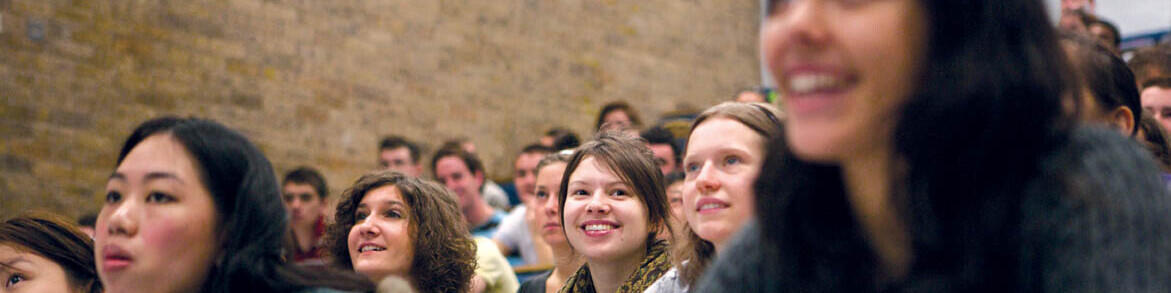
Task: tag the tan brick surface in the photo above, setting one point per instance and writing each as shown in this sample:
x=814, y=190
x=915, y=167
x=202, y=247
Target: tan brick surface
x=318, y=82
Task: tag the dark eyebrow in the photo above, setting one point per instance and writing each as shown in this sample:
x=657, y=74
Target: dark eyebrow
x=162, y=175
x=118, y=176
x=9, y=263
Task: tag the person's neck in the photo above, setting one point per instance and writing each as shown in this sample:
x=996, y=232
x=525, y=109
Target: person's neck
x=608, y=276
x=868, y=184
x=478, y=214
x=303, y=234
x=565, y=263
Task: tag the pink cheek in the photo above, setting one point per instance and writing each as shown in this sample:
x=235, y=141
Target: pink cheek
x=165, y=234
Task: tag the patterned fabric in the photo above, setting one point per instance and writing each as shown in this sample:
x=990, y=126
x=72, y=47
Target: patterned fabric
x=656, y=263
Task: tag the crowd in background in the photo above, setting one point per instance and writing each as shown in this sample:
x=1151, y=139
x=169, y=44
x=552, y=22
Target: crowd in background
x=923, y=146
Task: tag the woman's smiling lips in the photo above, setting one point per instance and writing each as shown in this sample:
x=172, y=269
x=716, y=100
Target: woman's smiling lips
x=708, y=205
x=598, y=228
x=368, y=248
x=114, y=258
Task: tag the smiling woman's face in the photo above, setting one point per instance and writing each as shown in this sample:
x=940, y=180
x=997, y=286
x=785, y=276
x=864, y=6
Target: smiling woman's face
x=843, y=68
x=380, y=241
x=604, y=219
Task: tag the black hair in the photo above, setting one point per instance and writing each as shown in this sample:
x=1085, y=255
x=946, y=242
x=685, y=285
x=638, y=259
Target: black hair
x=395, y=141
x=89, y=219
x=536, y=148
x=987, y=104
x=618, y=106
x=1117, y=40
x=1162, y=82
x=674, y=176
x=307, y=175
x=247, y=200
x=563, y=138
x=660, y=135
x=1105, y=75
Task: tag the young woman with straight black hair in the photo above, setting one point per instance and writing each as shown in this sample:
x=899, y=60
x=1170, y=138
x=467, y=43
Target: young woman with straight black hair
x=193, y=206
x=927, y=149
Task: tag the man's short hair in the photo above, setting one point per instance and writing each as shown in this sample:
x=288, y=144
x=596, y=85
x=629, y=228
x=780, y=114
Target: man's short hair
x=1157, y=57
x=1162, y=82
x=1117, y=41
x=395, y=141
x=563, y=138
x=473, y=163
x=536, y=148
x=308, y=176
x=660, y=135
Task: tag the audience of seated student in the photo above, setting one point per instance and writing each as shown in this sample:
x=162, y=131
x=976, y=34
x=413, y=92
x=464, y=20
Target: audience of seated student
x=613, y=207
x=725, y=150
x=546, y=216
x=560, y=138
x=392, y=224
x=1150, y=63
x=1107, y=95
x=399, y=154
x=1156, y=99
x=193, y=206
x=620, y=116
x=305, y=194
x=751, y=95
x=926, y=150
x=515, y=234
x=43, y=253
x=489, y=190
x=662, y=145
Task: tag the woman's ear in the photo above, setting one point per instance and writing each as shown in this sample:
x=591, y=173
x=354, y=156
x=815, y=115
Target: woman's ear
x=1123, y=120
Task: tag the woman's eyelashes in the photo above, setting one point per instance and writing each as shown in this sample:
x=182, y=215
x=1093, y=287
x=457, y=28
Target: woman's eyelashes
x=159, y=197
x=113, y=196
x=13, y=279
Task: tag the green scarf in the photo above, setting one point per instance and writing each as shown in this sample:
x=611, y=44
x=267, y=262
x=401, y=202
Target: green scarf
x=656, y=263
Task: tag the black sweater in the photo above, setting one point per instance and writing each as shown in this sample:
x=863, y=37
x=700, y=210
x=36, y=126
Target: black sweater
x=1108, y=231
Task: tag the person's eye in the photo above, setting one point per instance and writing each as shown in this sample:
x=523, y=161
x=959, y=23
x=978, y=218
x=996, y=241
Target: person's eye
x=306, y=197
x=113, y=196
x=619, y=192
x=660, y=162
x=360, y=216
x=393, y=214
x=676, y=200
x=13, y=279
x=579, y=192
x=732, y=160
x=541, y=194
x=159, y=197
x=691, y=168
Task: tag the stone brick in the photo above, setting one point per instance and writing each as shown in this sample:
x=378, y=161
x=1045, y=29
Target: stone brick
x=318, y=82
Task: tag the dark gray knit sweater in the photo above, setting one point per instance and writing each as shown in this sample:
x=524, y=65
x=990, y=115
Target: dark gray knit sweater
x=1109, y=231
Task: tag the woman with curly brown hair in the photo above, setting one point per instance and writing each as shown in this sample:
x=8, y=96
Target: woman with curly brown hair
x=382, y=220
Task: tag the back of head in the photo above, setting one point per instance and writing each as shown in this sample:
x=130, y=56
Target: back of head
x=55, y=239
x=247, y=200
x=1108, y=79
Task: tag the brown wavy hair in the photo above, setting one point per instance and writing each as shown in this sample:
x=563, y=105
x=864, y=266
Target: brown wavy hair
x=445, y=255
x=55, y=239
x=765, y=120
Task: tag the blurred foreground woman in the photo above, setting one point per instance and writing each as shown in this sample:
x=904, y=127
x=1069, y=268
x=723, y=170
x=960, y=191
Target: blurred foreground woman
x=42, y=253
x=926, y=150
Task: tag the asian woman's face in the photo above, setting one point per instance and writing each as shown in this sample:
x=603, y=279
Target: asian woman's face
x=157, y=229
x=604, y=220
x=24, y=271
x=843, y=68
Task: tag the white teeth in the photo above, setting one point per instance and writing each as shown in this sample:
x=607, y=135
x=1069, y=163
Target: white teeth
x=806, y=83
x=370, y=248
x=711, y=206
x=598, y=227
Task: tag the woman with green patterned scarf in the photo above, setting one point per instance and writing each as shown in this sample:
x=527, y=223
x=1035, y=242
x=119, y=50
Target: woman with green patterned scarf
x=613, y=209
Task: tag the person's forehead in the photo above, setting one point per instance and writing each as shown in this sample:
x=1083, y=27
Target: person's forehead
x=452, y=164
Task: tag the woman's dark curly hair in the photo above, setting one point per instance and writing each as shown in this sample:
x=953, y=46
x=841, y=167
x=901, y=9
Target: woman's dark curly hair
x=445, y=255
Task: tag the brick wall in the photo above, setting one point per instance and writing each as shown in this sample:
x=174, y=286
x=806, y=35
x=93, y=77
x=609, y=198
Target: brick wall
x=318, y=82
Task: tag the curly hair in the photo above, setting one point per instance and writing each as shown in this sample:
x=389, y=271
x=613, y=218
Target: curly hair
x=449, y=258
